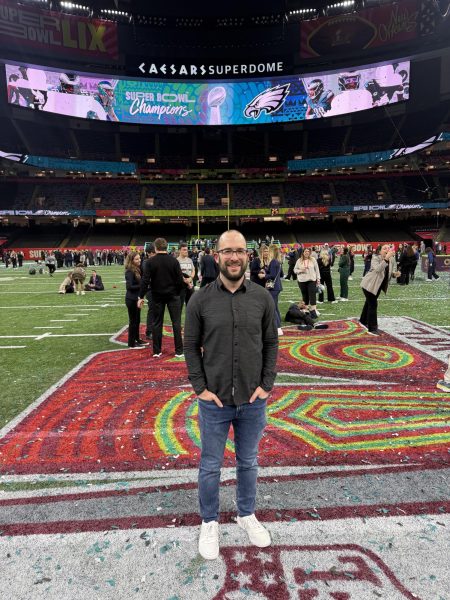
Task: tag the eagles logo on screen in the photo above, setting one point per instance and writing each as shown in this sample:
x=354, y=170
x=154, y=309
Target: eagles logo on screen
x=269, y=100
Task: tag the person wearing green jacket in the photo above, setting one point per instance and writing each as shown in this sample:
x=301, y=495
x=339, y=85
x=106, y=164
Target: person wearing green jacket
x=344, y=273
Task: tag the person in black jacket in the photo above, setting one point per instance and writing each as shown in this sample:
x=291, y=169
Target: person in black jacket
x=95, y=283
x=293, y=257
x=324, y=264
x=405, y=264
x=133, y=284
x=163, y=274
x=209, y=269
x=258, y=265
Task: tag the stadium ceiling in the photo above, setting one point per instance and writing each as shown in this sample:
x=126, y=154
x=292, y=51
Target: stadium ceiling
x=288, y=9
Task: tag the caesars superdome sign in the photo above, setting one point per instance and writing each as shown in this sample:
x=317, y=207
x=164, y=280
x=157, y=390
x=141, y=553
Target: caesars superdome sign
x=205, y=69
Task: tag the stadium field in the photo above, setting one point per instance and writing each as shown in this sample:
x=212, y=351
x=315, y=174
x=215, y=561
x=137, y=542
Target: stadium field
x=44, y=334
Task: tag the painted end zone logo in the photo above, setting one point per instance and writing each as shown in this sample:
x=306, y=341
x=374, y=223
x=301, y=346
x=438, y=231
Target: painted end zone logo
x=337, y=572
x=367, y=400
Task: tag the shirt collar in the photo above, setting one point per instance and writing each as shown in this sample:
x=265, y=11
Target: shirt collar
x=241, y=288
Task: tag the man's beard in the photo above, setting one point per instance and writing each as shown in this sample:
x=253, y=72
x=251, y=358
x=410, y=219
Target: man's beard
x=235, y=277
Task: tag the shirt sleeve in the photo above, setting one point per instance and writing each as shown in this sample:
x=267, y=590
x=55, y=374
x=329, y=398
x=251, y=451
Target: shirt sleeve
x=192, y=345
x=316, y=269
x=145, y=280
x=270, y=346
x=273, y=270
x=130, y=280
x=179, y=281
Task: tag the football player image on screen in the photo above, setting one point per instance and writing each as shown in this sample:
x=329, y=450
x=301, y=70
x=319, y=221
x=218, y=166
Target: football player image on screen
x=32, y=88
x=350, y=98
x=318, y=100
x=105, y=97
x=12, y=91
x=349, y=81
x=387, y=86
x=69, y=83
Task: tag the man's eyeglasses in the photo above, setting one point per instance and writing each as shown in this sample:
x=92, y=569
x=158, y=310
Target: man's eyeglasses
x=228, y=252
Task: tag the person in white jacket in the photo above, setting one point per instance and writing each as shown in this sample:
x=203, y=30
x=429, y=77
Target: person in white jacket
x=308, y=278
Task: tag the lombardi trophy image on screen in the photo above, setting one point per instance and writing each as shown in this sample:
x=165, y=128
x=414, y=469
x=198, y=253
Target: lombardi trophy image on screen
x=216, y=97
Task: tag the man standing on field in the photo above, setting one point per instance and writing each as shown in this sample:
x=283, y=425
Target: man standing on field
x=231, y=345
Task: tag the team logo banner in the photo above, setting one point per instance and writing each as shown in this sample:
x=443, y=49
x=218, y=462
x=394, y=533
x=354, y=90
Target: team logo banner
x=266, y=100
x=48, y=32
x=384, y=25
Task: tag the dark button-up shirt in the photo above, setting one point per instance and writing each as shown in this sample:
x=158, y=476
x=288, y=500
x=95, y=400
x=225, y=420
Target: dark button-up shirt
x=231, y=341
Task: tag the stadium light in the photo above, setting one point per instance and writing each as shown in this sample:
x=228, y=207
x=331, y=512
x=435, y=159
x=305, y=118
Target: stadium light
x=114, y=13
x=230, y=21
x=72, y=6
x=302, y=11
x=343, y=4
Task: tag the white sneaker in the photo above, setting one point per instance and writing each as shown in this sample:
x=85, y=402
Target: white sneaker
x=319, y=302
x=78, y=293
x=83, y=293
x=208, y=543
x=179, y=355
x=157, y=355
x=350, y=278
x=335, y=302
x=280, y=331
x=257, y=533
x=343, y=299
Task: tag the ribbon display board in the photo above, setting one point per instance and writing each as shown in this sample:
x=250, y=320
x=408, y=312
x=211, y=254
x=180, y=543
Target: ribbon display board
x=276, y=99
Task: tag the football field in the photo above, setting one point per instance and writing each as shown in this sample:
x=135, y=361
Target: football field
x=43, y=334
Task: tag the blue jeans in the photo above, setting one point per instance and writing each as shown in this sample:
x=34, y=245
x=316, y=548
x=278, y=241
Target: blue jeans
x=275, y=295
x=248, y=422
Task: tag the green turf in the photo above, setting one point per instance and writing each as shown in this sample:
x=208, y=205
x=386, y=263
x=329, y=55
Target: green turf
x=27, y=302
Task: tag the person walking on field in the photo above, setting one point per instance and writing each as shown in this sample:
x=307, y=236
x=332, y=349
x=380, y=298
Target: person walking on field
x=431, y=275
x=163, y=274
x=231, y=346
x=377, y=279
x=344, y=274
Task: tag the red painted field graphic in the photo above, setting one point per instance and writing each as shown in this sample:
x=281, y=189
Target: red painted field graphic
x=124, y=410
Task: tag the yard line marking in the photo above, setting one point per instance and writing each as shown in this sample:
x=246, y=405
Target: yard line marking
x=11, y=337
x=54, y=306
x=157, y=477
x=44, y=335
x=55, y=335
x=63, y=320
x=10, y=347
x=50, y=327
